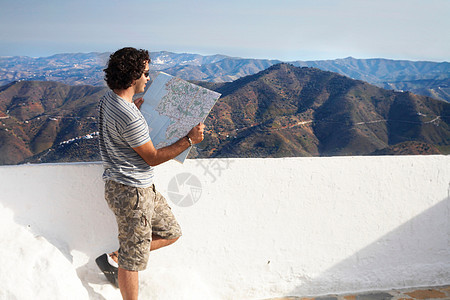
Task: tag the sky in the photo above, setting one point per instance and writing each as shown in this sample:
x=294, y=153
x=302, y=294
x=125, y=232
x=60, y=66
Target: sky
x=287, y=30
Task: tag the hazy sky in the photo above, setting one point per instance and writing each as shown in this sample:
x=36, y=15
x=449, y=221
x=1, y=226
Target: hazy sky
x=278, y=29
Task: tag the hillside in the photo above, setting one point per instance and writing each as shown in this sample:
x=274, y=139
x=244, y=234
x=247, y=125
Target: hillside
x=291, y=111
x=280, y=112
x=434, y=88
x=40, y=115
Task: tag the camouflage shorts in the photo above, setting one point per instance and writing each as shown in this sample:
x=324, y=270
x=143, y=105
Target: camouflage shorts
x=134, y=207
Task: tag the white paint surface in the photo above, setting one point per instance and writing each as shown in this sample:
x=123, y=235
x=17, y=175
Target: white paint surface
x=261, y=228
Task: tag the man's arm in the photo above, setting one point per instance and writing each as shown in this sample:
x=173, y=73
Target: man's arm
x=154, y=157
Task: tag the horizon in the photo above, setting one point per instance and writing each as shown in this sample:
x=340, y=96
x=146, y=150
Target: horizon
x=229, y=56
x=289, y=30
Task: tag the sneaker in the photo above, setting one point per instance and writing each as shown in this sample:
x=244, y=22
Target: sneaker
x=107, y=269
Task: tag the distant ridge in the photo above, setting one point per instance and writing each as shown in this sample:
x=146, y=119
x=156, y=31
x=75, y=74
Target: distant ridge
x=420, y=77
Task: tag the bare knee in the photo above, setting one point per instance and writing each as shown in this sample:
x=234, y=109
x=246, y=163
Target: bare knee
x=159, y=242
x=170, y=241
x=173, y=240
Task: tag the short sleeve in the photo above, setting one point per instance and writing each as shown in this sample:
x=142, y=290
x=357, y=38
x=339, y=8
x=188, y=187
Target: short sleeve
x=136, y=133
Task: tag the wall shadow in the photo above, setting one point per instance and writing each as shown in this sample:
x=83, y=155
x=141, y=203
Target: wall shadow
x=65, y=205
x=415, y=254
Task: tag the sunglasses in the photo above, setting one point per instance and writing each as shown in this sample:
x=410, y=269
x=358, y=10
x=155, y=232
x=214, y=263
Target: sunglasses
x=146, y=74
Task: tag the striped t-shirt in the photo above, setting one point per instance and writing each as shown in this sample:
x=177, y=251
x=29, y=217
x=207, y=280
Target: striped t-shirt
x=121, y=128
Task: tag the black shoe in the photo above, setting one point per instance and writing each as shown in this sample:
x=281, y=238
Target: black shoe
x=109, y=271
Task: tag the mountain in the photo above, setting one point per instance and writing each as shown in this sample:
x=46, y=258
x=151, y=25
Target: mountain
x=291, y=111
x=420, y=77
x=36, y=116
x=164, y=60
x=279, y=112
x=380, y=70
x=225, y=70
x=86, y=68
x=425, y=78
x=79, y=149
x=73, y=69
x=434, y=88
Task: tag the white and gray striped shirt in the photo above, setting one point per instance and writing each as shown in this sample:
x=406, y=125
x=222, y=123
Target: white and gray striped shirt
x=121, y=128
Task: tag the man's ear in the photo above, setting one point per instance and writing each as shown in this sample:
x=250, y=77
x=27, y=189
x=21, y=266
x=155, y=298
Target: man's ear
x=133, y=84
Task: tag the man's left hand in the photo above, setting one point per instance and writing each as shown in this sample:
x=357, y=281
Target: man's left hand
x=138, y=102
x=196, y=133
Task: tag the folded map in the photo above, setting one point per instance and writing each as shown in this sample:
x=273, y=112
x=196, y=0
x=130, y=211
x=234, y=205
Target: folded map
x=172, y=107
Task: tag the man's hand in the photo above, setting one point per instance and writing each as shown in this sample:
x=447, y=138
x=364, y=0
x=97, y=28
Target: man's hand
x=196, y=133
x=138, y=102
x=154, y=157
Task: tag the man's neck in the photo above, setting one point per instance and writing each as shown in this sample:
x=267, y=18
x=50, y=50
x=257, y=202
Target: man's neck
x=126, y=94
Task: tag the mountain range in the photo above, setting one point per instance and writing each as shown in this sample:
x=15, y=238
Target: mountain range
x=419, y=77
x=291, y=111
x=282, y=111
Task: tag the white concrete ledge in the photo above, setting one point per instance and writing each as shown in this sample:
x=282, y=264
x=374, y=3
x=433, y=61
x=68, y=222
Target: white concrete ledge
x=260, y=227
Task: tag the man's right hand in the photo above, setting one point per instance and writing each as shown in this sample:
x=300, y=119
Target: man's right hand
x=196, y=133
x=154, y=157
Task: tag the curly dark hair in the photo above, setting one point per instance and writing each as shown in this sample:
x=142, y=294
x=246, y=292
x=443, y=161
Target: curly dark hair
x=124, y=67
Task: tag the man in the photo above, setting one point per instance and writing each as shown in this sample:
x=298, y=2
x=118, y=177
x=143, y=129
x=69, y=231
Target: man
x=144, y=218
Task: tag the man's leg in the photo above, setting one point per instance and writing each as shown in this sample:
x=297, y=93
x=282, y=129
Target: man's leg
x=129, y=280
x=162, y=221
x=157, y=243
x=128, y=284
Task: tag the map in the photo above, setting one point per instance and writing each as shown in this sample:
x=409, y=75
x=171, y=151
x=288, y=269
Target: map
x=172, y=107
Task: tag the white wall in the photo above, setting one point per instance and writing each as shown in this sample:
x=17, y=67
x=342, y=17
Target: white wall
x=261, y=227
